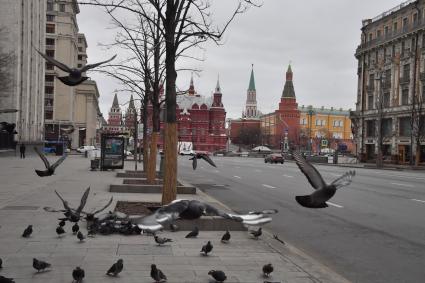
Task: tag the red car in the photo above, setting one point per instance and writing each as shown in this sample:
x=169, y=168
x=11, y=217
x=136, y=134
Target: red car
x=274, y=158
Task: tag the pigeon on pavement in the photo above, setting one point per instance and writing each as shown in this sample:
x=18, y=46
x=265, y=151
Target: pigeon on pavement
x=50, y=169
x=71, y=214
x=116, y=268
x=27, y=231
x=78, y=274
x=60, y=231
x=75, y=228
x=267, y=269
x=218, y=275
x=226, y=237
x=194, y=233
x=324, y=192
x=157, y=274
x=80, y=236
x=6, y=280
x=161, y=241
x=193, y=209
x=257, y=233
x=62, y=223
x=75, y=76
x=201, y=156
x=40, y=265
x=207, y=248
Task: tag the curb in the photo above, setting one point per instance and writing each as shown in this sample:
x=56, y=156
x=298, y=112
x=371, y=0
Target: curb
x=316, y=271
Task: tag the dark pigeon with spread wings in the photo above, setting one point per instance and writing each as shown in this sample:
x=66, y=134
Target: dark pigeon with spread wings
x=324, y=192
x=201, y=156
x=50, y=169
x=75, y=76
x=193, y=209
x=71, y=214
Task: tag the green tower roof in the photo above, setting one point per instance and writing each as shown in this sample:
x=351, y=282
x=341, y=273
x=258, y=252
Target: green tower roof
x=251, y=80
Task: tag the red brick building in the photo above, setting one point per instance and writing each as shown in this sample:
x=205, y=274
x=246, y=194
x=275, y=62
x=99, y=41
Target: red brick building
x=201, y=120
x=116, y=122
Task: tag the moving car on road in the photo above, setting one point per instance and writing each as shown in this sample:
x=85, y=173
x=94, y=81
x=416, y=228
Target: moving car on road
x=274, y=158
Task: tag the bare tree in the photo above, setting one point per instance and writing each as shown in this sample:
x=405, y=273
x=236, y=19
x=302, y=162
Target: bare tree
x=249, y=136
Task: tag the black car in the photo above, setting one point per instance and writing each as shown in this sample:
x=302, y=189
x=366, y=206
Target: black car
x=274, y=158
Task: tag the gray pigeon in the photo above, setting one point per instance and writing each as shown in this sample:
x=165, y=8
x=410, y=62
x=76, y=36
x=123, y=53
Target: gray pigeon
x=257, y=233
x=80, y=236
x=75, y=76
x=40, y=265
x=161, y=241
x=157, y=274
x=116, y=268
x=324, y=192
x=60, y=231
x=50, y=169
x=226, y=237
x=27, y=231
x=6, y=280
x=78, y=275
x=201, y=156
x=75, y=228
x=194, y=233
x=267, y=269
x=207, y=248
x=62, y=223
x=218, y=275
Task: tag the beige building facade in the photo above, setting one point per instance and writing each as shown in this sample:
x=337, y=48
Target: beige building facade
x=70, y=112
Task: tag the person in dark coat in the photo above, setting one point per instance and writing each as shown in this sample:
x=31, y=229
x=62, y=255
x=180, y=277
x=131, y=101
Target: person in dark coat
x=22, y=150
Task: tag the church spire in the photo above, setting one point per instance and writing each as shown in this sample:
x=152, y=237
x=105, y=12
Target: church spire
x=217, y=87
x=115, y=102
x=251, y=80
x=191, y=87
x=288, y=89
x=131, y=104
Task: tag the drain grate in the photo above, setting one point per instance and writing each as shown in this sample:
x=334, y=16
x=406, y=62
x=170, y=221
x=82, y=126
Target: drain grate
x=19, y=207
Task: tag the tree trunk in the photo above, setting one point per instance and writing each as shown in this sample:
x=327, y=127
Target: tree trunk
x=152, y=158
x=169, y=191
x=145, y=153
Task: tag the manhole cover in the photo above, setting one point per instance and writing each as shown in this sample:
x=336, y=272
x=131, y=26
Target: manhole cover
x=19, y=207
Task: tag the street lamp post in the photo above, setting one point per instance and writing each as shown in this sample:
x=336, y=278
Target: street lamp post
x=310, y=113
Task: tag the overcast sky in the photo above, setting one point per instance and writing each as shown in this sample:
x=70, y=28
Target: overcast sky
x=319, y=38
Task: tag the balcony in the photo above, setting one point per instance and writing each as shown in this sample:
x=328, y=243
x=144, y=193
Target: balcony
x=404, y=80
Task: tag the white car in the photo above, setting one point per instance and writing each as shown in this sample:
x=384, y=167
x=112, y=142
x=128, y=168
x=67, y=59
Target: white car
x=186, y=152
x=85, y=148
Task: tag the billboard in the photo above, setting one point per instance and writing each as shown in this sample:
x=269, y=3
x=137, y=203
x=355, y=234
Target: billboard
x=112, y=152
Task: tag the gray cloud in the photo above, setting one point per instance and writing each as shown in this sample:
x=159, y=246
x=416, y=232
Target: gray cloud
x=318, y=37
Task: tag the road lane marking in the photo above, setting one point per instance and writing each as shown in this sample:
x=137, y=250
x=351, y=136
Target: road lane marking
x=267, y=186
x=418, y=200
x=334, y=204
x=287, y=176
x=237, y=177
x=404, y=185
x=216, y=185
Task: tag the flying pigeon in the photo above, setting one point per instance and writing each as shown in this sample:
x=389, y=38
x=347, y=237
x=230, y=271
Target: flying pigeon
x=27, y=231
x=60, y=231
x=207, y=248
x=50, y=169
x=75, y=228
x=201, y=156
x=75, y=76
x=157, y=274
x=116, y=268
x=226, y=237
x=80, y=236
x=257, y=233
x=189, y=210
x=78, y=274
x=324, y=192
x=194, y=233
x=161, y=241
x=62, y=223
x=218, y=275
x=71, y=214
x=6, y=280
x=267, y=269
x=40, y=265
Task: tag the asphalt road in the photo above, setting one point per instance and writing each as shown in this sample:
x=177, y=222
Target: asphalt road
x=372, y=231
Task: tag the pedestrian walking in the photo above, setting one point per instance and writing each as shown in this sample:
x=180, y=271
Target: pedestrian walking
x=22, y=150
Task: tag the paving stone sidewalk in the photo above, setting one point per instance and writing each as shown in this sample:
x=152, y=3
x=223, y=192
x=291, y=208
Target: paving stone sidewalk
x=23, y=196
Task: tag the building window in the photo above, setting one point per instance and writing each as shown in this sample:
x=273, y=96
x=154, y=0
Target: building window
x=423, y=92
x=404, y=126
x=370, y=128
x=62, y=7
x=386, y=100
x=48, y=115
x=372, y=81
x=406, y=71
x=80, y=40
x=378, y=34
x=49, y=6
x=49, y=78
x=386, y=31
x=402, y=48
x=50, y=18
x=50, y=66
x=48, y=89
x=415, y=19
x=395, y=27
x=387, y=127
x=405, y=96
x=80, y=49
x=370, y=102
x=370, y=37
x=50, y=53
x=50, y=28
x=405, y=23
x=303, y=121
x=80, y=57
x=50, y=41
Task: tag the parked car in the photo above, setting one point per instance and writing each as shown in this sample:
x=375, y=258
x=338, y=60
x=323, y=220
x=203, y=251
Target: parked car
x=85, y=148
x=274, y=158
x=186, y=152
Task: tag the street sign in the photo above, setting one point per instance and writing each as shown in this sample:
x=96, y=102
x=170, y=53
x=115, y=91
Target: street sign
x=324, y=143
